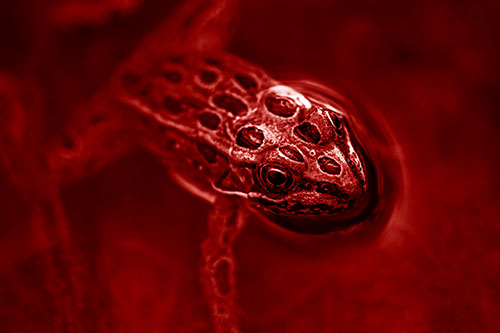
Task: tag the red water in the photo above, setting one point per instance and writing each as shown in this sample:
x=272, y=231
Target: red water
x=430, y=67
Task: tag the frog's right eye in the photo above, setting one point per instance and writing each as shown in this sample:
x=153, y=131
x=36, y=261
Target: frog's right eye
x=276, y=179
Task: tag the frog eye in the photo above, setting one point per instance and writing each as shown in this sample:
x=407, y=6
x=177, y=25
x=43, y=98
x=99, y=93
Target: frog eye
x=276, y=178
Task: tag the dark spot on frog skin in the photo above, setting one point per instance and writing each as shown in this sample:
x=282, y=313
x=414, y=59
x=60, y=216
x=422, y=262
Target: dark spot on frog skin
x=250, y=137
x=336, y=121
x=280, y=106
x=292, y=153
x=208, y=76
x=209, y=120
x=337, y=124
x=230, y=103
x=329, y=165
x=222, y=273
x=245, y=81
x=307, y=132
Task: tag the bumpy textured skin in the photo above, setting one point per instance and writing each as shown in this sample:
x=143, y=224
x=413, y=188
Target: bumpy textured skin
x=226, y=127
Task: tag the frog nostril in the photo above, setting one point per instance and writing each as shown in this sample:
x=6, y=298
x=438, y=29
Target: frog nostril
x=307, y=132
x=329, y=165
x=250, y=137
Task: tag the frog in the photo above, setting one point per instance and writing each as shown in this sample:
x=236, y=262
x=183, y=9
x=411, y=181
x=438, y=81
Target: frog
x=231, y=134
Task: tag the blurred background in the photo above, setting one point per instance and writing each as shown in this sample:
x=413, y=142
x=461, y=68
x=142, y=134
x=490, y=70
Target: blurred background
x=430, y=68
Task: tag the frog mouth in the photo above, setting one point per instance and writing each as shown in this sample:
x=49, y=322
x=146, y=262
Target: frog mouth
x=285, y=207
x=314, y=218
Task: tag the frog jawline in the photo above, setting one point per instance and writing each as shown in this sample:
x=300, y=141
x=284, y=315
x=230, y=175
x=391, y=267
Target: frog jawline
x=330, y=221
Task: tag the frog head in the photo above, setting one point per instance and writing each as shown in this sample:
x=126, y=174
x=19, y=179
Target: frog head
x=306, y=170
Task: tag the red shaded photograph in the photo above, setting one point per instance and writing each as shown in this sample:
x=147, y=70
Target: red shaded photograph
x=249, y=166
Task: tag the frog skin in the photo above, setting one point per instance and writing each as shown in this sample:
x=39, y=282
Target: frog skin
x=235, y=131
x=231, y=134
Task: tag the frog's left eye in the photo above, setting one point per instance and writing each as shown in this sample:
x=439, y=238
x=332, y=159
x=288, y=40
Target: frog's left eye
x=276, y=178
